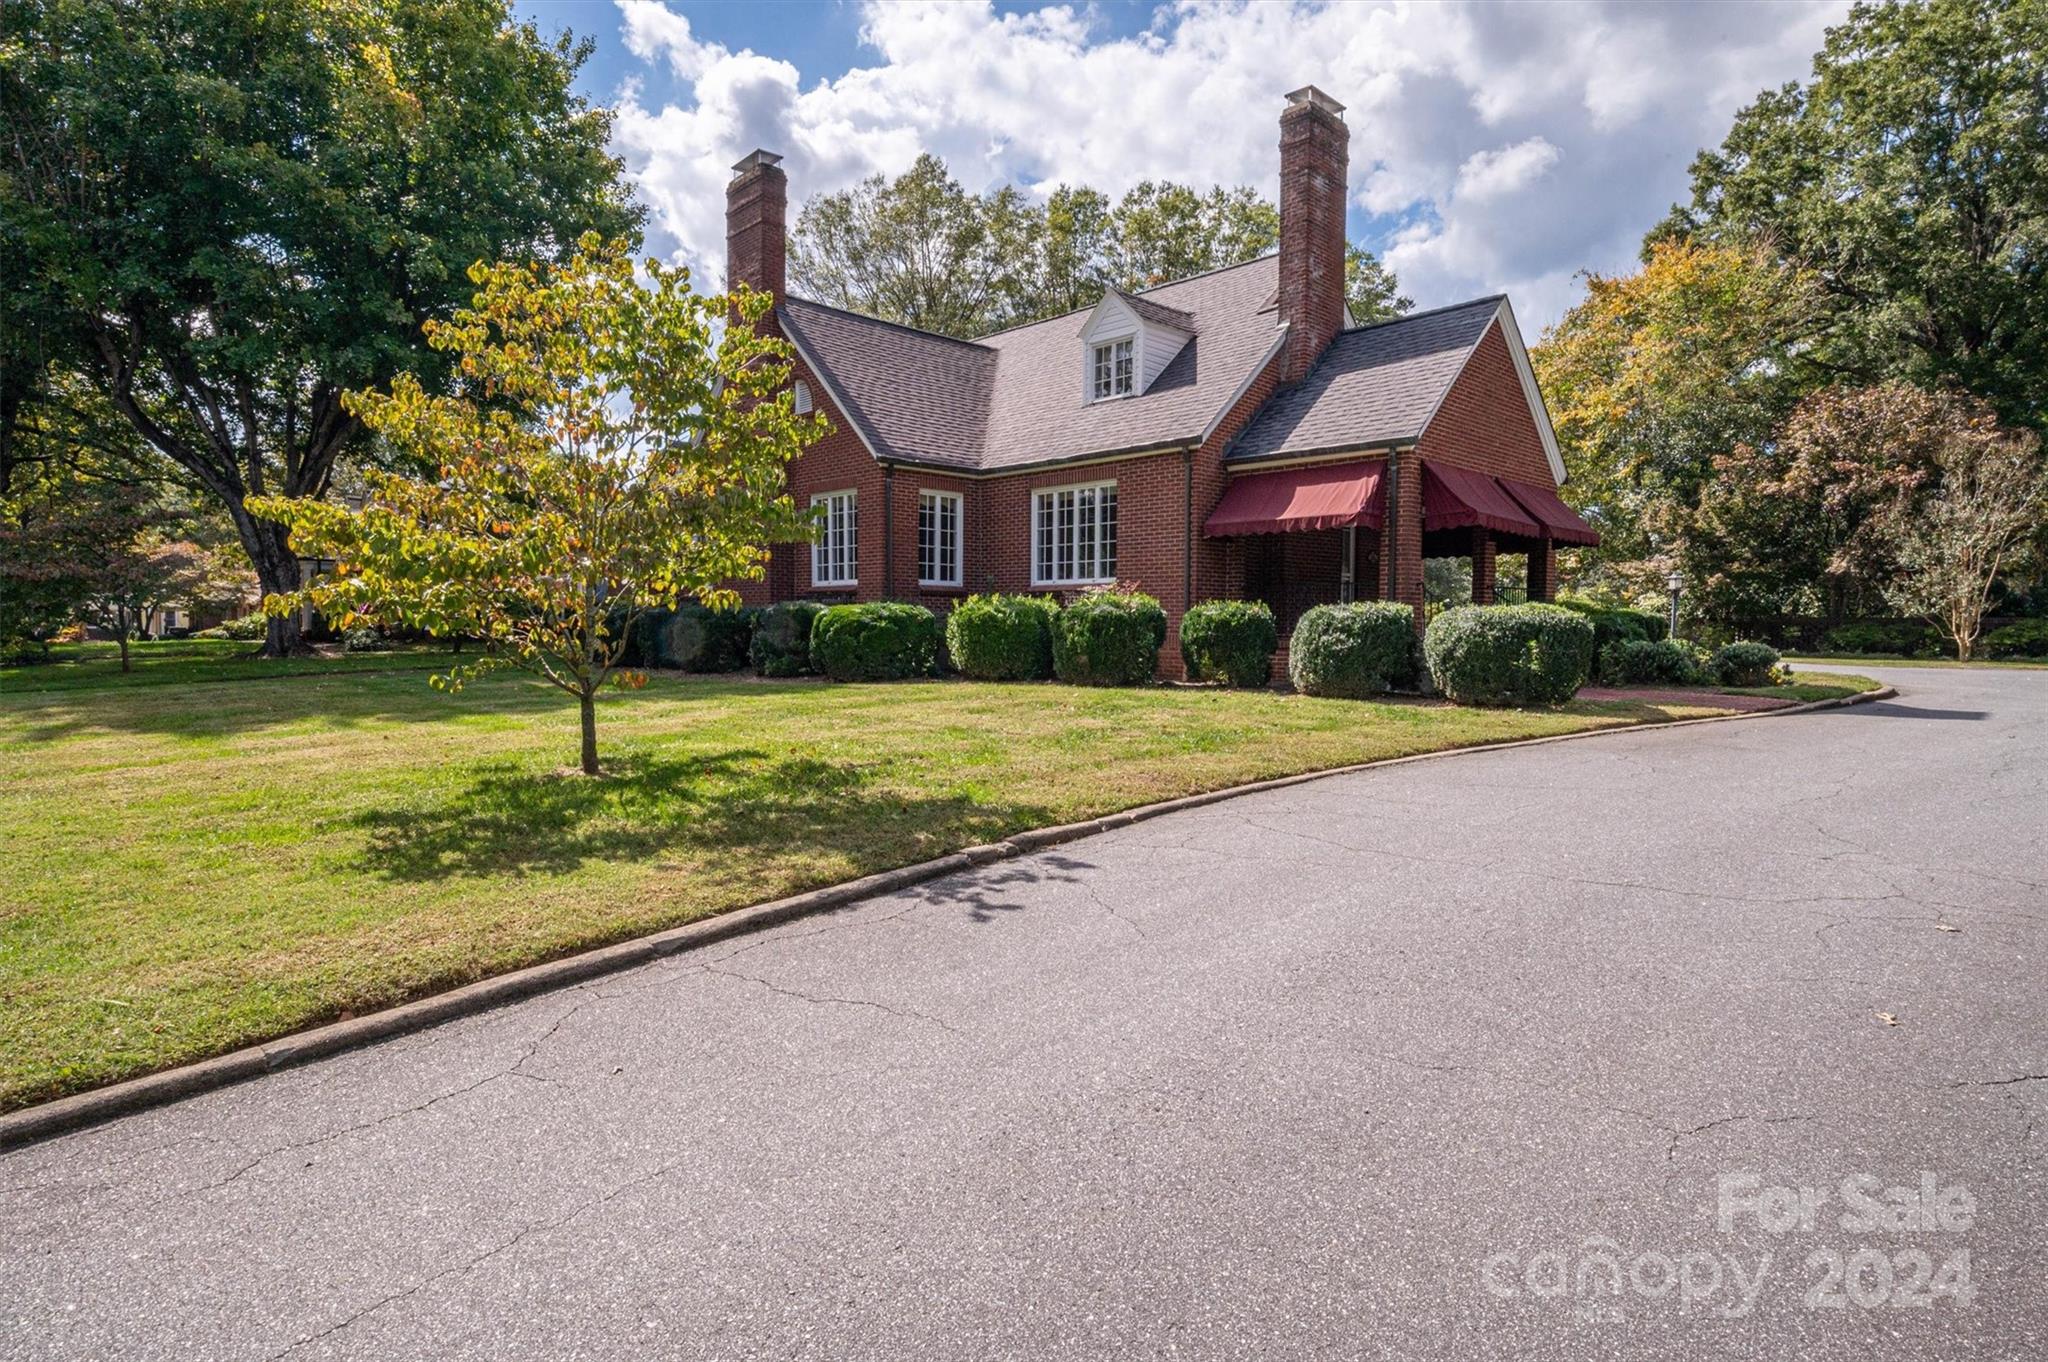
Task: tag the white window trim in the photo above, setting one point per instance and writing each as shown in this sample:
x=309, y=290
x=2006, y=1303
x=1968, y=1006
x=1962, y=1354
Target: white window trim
x=959, y=536
x=1099, y=485
x=819, y=558
x=1110, y=343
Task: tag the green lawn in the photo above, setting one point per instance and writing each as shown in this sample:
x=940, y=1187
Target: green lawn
x=205, y=862
x=91, y=666
x=1807, y=686
x=1893, y=660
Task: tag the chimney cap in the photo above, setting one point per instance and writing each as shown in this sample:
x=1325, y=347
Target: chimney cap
x=1310, y=95
x=756, y=158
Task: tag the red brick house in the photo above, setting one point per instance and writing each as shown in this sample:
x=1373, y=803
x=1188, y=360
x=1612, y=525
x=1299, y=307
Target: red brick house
x=1228, y=435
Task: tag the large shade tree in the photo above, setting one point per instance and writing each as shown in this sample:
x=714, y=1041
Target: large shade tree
x=613, y=447
x=231, y=212
x=923, y=250
x=1910, y=176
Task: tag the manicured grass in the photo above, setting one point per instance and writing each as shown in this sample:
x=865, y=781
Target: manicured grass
x=180, y=661
x=1806, y=686
x=1891, y=660
x=195, y=867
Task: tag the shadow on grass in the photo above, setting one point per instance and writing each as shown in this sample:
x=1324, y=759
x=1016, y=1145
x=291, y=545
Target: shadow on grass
x=513, y=821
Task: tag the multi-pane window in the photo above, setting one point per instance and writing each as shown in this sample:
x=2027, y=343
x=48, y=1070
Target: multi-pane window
x=1073, y=536
x=1115, y=369
x=834, y=554
x=938, y=538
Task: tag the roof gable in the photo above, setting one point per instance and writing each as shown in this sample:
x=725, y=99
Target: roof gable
x=1010, y=400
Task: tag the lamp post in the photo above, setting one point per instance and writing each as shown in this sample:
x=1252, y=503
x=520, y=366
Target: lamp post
x=1676, y=582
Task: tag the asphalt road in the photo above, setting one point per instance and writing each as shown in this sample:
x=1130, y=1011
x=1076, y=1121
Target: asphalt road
x=1391, y=1064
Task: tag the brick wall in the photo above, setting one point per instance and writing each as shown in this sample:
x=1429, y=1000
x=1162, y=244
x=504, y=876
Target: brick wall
x=1484, y=423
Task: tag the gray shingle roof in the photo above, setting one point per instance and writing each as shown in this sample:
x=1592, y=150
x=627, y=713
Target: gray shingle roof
x=1153, y=311
x=912, y=395
x=1014, y=399
x=1376, y=385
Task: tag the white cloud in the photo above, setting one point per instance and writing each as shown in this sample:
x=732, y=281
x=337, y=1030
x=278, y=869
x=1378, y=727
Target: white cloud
x=1498, y=173
x=1509, y=146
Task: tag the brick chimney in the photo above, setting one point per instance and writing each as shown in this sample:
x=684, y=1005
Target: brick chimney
x=756, y=211
x=1314, y=157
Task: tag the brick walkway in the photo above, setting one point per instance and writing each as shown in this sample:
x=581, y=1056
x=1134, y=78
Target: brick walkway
x=1702, y=699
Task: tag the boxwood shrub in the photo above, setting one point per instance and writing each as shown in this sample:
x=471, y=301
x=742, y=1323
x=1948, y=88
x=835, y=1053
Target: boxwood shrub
x=1639, y=662
x=875, y=641
x=781, y=644
x=1229, y=641
x=1002, y=638
x=1745, y=664
x=693, y=638
x=1108, y=638
x=1509, y=654
x=1351, y=651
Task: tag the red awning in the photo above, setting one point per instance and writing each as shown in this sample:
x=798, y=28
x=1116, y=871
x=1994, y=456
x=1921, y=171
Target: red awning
x=1566, y=526
x=1455, y=497
x=1318, y=497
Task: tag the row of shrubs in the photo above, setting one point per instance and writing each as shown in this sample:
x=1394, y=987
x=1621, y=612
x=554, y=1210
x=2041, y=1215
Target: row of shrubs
x=1643, y=662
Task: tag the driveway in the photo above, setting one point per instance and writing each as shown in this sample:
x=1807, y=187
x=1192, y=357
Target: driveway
x=1397, y=1063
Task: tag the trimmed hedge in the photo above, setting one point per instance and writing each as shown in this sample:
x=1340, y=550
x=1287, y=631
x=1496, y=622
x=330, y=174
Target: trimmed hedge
x=1229, y=641
x=781, y=644
x=1352, y=651
x=2025, y=638
x=1108, y=638
x=1617, y=624
x=1745, y=664
x=1901, y=638
x=696, y=639
x=875, y=641
x=1002, y=638
x=1509, y=654
x=1637, y=662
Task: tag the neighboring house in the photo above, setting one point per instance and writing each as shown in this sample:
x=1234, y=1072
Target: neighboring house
x=1227, y=435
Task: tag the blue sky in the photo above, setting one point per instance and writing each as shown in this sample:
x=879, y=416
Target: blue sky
x=1494, y=146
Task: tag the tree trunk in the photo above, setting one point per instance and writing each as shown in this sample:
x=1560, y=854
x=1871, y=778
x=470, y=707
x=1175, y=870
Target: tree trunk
x=277, y=574
x=589, y=733
x=123, y=631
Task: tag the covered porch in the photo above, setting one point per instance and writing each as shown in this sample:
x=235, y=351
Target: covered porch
x=1359, y=529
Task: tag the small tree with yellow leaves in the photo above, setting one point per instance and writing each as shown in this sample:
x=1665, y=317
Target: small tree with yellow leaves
x=612, y=447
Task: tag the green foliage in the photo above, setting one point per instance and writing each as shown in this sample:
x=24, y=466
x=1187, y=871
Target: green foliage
x=232, y=214
x=1352, y=651
x=1899, y=638
x=1644, y=662
x=1509, y=654
x=1909, y=173
x=781, y=644
x=875, y=641
x=248, y=629
x=1108, y=638
x=1229, y=641
x=633, y=454
x=2024, y=638
x=1002, y=638
x=1745, y=664
x=1616, y=624
x=922, y=250
x=1655, y=374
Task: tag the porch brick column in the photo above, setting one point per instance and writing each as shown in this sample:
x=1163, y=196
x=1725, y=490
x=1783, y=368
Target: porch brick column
x=1401, y=540
x=1543, y=571
x=1482, y=566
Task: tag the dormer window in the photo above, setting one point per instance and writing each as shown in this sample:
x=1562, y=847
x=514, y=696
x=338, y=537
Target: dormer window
x=1115, y=369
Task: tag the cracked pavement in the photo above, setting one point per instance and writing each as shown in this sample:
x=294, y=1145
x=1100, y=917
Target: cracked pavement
x=1313, y=1073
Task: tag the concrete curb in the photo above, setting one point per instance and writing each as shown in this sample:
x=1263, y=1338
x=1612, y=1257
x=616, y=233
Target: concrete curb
x=151, y=1090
